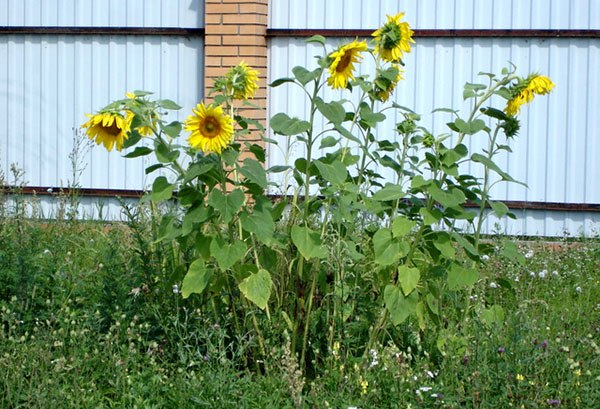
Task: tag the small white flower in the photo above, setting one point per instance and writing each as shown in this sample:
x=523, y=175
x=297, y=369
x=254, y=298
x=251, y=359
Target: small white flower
x=425, y=388
x=578, y=289
x=485, y=257
x=542, y=273
x=516, y=279
x=532, y=273
x=555, y=273
x=493, y=285
x=46, y=251
x=529, y=254
x=175, y=289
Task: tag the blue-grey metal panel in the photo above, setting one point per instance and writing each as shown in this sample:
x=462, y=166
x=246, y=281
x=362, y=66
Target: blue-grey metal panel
x=437, y=14
x=103, y=13
x=555, y=152
x=48, y=82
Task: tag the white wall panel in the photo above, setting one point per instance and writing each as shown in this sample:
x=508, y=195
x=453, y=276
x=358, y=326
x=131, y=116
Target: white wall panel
x=437, y=14
x=48, y=83
x=103, y=13
x=556, y=151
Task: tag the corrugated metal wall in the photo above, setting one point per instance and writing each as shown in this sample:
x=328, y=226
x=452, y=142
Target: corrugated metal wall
x=555, y=153
x=437, y=14
x=48, y=82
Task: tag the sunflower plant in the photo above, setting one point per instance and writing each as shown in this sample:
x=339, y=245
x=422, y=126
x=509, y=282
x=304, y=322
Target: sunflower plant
x=349, y=255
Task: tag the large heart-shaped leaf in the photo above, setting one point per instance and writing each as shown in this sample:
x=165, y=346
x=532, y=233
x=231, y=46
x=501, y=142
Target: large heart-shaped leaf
x=308, y=242
x=408, y=277
x=387, y=250
x=227, y=254
x=257, y=288
x=399, y=306
x=196, y=279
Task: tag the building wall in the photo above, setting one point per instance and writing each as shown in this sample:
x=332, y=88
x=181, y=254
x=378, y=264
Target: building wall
x=555, y=151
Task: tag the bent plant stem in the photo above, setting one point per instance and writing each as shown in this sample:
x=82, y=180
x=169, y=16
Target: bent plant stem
x=308, y=311
x=480, y=219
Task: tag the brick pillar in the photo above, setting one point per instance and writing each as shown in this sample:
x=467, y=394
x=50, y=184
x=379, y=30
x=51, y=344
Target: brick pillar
x=235, y=30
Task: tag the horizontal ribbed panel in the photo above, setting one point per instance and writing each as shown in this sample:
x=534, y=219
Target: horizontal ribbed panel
x=47, y=83
x=555, y=152
x=103, y=13
x=437, y=14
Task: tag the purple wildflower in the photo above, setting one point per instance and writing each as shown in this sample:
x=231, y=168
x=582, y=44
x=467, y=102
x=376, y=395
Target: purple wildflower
x=553, y=402
x=545, y=344
x=500, y=350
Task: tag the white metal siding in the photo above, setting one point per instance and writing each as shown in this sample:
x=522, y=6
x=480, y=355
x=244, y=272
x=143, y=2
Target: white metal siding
x=47, y=83
x=555, y=152
x=437, y=14
x=103, y=13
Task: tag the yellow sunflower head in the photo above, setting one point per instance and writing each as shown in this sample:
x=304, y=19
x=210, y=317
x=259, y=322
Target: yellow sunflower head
x=242, y=81
x=342, y=63
x=524, y=92
x=386, y=84
x=211, y=129
x=393, y=39
x=108, y=128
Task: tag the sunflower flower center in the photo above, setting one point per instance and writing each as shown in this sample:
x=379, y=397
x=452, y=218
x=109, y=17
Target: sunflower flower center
x=211, y=127
x=344, y=62
x=113, y=130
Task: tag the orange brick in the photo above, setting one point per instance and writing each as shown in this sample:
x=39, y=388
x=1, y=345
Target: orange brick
x=220, y=29
x=212, y=1
x=213, y=61
x=245, y=40
x=252, y=50
x=232, y=8
x=221, y=50
x=258, y=63
x=213, y=40
x=244, y=19
x=253, y=8
x=212, y=19
x=253, y=29
x=215, y=71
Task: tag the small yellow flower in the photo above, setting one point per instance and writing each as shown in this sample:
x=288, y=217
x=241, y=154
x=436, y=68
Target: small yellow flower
x=363, y=385
x=535, y=84
x=578, y=372
x=393, y=39
x=242, y=81
x=520, y=377
x=211, y=129
x=342, y=65
x=108, y=128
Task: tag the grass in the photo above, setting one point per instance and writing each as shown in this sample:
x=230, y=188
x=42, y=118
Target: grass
x=89, y=318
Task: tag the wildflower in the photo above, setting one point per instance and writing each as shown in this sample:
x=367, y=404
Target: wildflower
x=501, y=350
x=211, y=129
x=524, y=92
x=342, y=63
x=142, y=130
x=532, y=274
x=542, y=274
x=578, y=289
x=242, y=81
x=493, y=285
x=555, y=273
x=520, y=377
x=393, y=39
x=529, y=254
x=485, y=257
x=108, y=128
x=553, y=402
x=364, y=385
x=46, y=251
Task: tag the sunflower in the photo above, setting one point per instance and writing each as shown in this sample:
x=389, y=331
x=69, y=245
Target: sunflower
x=393, y=39
x=143, y=130
x=384, y=94
x=108, y=128
x=211, y=129
x=242, y=81
x=342, y=63
x=526, y=90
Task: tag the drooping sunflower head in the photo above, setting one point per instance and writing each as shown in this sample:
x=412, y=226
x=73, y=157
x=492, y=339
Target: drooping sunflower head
x=386, y=81
x=524, y=91
x=242, y=81
x=108, y=128
x=393, y=39
x=211, y=129
x=342, y=63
